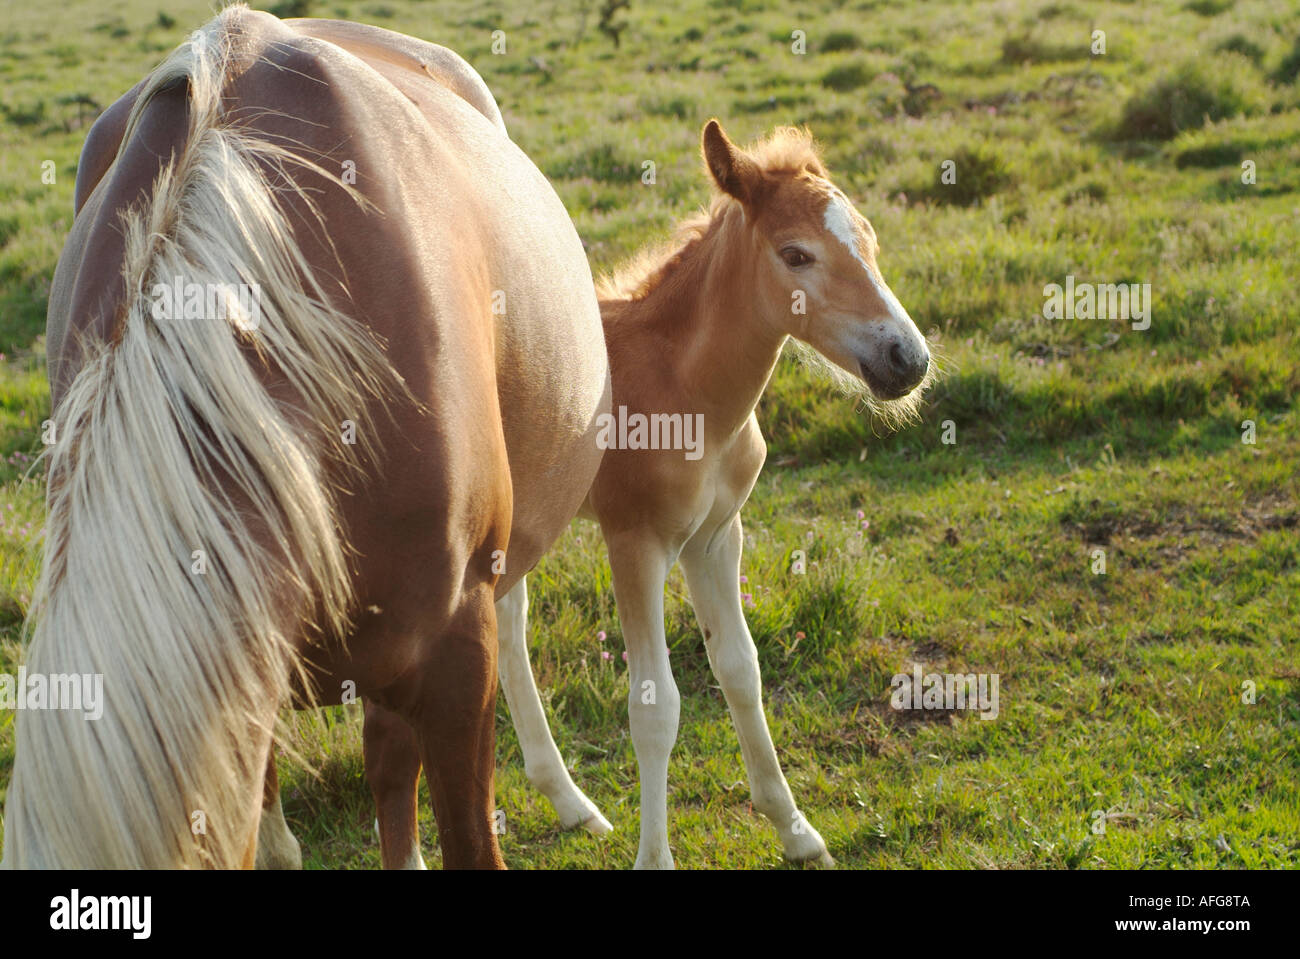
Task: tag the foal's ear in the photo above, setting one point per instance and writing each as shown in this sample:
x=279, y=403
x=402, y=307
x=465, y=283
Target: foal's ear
x=733, y=171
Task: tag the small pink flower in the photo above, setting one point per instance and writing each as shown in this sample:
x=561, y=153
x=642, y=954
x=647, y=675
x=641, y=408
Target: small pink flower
x=744, y=579
x=625, y=655
x=809, y=537
x=605, y=656
x=800, y=635
x=600, y=637
x=861, y=515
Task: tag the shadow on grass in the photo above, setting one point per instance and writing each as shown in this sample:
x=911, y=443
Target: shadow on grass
x=1150, y=418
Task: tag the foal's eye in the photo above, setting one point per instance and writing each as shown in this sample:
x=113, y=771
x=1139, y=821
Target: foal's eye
x=795, y=257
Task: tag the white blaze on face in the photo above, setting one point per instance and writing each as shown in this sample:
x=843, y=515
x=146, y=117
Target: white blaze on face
x=840, y=220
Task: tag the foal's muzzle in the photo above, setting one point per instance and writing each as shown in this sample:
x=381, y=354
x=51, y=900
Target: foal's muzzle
x=896, y=370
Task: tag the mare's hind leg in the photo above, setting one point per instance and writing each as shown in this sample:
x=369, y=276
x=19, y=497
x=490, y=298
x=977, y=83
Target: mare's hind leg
x=392, y=761
x=714, y=582
x=455, y=727
x=276, y=846
x=542, y=761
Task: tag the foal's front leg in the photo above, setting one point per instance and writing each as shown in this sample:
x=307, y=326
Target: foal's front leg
x=640, y=566
x=714, y=582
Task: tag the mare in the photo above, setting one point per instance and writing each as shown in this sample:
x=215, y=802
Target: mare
x=267, y=498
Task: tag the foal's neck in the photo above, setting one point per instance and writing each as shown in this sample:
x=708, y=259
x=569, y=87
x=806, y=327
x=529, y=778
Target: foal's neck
x=724, y=350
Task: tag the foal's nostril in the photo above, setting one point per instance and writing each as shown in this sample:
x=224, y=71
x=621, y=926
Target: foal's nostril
x=896, y=360
x=906, y=367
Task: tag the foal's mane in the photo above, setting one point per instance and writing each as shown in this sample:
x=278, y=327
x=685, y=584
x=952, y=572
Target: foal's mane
x=786, y=150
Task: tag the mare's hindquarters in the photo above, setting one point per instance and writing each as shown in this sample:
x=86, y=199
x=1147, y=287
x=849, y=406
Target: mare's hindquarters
x=190, y=523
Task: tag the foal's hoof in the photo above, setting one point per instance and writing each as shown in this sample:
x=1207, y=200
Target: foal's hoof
x=805, y=845
x=824, y=861
x=818, y=860
x=597, y=825
x=576, y=811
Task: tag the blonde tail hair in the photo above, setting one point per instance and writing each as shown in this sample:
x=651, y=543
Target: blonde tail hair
x=170, y=455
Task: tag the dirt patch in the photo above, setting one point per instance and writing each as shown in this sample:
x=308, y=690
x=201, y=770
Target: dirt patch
x=1247, y=524
x=848, y=742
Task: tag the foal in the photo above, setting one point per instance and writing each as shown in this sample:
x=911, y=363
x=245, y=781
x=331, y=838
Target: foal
x=697, y=332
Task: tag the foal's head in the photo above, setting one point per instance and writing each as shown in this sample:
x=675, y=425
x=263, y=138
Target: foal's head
x=817, y=274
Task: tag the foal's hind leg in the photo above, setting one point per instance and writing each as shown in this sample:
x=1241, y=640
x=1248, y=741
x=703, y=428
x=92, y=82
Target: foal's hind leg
x=542, y=761
x=714, y=582
x=276, y=846
x=392, y=761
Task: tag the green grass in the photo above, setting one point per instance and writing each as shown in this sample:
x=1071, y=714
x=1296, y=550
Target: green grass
x=1121, y=694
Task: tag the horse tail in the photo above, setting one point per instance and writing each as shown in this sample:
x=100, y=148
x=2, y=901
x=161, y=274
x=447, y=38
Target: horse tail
x=192, y=531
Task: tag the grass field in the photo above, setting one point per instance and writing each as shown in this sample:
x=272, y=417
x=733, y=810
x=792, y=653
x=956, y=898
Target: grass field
x=1125, y=736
